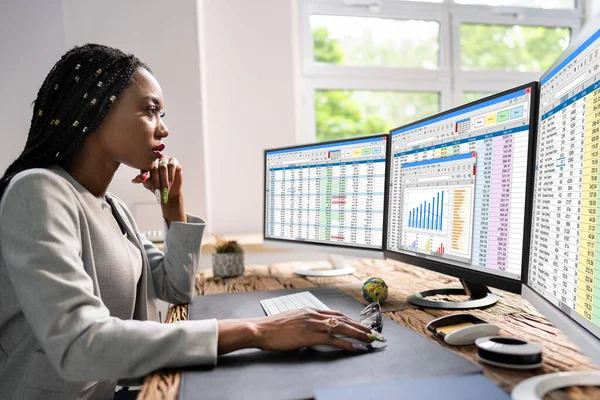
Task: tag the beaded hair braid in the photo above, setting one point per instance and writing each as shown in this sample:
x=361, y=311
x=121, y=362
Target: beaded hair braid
x=71, y=104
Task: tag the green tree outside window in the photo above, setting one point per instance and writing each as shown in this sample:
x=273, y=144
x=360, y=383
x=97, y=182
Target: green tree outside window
x=348, y=113
x=511, y=48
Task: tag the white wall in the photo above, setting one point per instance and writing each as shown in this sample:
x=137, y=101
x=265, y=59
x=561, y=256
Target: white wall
x=32, y=39
x=249, y=90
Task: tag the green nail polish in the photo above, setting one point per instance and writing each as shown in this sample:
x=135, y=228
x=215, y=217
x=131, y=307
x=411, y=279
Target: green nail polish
x=165, y=195
x=376, y=337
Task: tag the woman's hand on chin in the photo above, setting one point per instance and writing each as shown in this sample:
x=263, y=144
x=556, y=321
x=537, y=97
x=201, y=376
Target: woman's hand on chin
x=164, y=179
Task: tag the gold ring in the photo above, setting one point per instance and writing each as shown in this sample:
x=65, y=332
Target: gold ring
x=331, y=323
x=163, y=161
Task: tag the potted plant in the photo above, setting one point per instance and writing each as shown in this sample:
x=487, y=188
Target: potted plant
x=228, y=259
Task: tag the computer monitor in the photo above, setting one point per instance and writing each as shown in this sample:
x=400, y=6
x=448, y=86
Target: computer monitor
x=329, y=197
x=459, y=195
x=563, y=280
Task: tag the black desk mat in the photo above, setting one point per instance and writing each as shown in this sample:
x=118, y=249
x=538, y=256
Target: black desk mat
x=256, y=374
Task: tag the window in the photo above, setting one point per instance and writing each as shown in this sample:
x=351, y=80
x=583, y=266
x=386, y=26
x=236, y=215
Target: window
x=382, y=42
x=370, y=68
x=511, y=48
x=347, y=113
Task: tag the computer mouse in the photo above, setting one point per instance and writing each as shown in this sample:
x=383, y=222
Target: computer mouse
x=327, y=347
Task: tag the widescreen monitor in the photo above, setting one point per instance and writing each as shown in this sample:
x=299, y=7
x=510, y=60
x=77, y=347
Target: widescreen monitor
x=564, y=259
x=459, y=194
x=329, y=196
x=563, y=279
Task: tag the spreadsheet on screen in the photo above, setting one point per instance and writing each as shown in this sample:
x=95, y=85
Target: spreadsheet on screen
x=327, y=193
x=564, y=262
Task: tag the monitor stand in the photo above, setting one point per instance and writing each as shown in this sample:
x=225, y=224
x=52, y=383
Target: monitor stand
x=537, y=387
x=340, y=267
x=480, y=297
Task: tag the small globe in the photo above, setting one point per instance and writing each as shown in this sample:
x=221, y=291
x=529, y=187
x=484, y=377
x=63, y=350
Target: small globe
x=375, y=289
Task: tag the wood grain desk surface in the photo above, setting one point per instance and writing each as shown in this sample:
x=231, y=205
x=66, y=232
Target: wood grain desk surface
x=514, y=315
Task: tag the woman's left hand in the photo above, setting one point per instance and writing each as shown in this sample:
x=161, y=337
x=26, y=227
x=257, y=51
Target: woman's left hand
x=165, y=179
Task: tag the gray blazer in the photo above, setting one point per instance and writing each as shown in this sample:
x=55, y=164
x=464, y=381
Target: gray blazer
x=58, y=339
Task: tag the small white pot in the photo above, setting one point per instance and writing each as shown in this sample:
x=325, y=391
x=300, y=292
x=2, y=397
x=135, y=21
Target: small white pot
x=228, y=264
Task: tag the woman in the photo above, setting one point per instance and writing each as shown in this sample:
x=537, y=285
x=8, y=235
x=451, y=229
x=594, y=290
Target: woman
x=78, y=282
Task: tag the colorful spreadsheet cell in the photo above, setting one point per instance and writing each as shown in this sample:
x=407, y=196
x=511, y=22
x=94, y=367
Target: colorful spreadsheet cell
x=503, y=115
x=479, y=122
x=516, y=112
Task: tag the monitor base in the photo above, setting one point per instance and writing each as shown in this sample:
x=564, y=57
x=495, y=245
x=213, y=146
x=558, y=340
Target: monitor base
x=481, y=297
x=339, y=264
x=537, y=387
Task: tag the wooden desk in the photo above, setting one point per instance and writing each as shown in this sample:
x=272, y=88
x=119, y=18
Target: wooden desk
x=515, y=317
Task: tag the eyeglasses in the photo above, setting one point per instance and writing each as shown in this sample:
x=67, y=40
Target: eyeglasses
x=371, y=317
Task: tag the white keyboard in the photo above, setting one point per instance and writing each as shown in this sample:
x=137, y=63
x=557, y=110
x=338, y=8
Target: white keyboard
x=276, y=305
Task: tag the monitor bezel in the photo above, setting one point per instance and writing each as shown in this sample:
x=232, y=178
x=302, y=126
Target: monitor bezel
x=500, y=282
x=333, y=246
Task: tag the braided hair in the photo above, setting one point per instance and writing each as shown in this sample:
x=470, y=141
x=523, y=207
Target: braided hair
x=71, y=104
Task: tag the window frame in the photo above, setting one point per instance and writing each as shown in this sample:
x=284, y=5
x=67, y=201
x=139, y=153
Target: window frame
x=449, y=80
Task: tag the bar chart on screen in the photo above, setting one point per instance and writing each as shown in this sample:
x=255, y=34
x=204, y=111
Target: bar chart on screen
x=439, y=219
x=440, y=249
x=462, y=212
x=427, y=209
